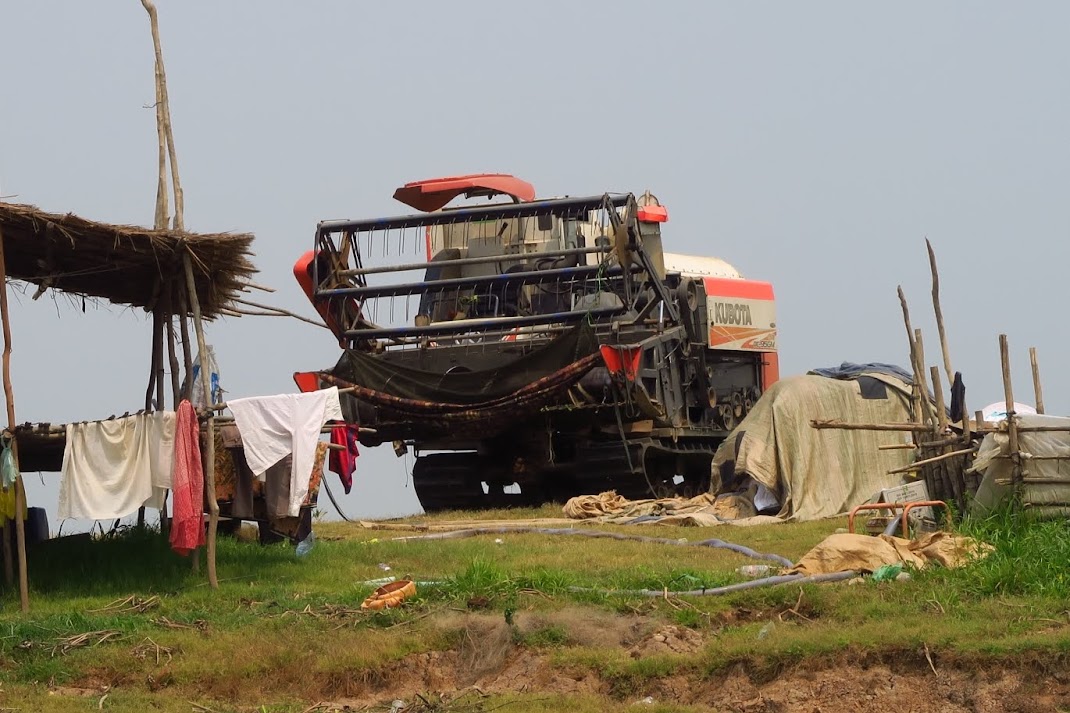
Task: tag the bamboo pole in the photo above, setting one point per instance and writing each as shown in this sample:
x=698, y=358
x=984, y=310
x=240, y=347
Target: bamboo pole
x=939, y=313
x=9, y=397
x=1012, y=419
x=928, y=461
x=1036, y=379
x=213, y=505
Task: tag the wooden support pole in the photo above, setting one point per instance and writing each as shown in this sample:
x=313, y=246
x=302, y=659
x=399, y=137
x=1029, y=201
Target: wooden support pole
x=163, y=122
x=928, y=461
x=213, y=505
x=172, y=361
x=954, y=478
x=9, y=397
x=187, y=349
x=844, y=426
x=163, y=317
x=154, y=359
x=941, y=406
x=939, y=314
x=915, y=391
x=967, y=436
x=1012, y=417
x=923, y=385
x=1036, y=379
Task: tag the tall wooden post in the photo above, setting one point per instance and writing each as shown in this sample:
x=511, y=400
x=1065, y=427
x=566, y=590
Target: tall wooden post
x=1036, y=379
x=9, y=397
x=1012, y=417
x=939, y=314
x=172, y=357
x=213, y=505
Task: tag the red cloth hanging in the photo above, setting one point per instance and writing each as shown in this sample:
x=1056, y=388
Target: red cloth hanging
x=344, y=462
x=187, y=523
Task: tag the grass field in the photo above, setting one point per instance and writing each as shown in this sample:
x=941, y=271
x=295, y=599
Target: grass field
x=123, y=624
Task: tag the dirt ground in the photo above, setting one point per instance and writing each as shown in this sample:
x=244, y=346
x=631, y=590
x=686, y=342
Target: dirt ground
x=488, y=660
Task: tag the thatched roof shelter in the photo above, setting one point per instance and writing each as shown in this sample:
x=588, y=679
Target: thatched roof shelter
x=123, y=264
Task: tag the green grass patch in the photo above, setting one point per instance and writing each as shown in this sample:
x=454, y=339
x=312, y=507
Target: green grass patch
x=292, y=633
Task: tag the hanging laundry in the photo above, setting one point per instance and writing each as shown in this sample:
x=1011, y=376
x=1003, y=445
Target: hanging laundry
x=272, y=427
x=187, y=524
x=344, y=462
x=111, y=468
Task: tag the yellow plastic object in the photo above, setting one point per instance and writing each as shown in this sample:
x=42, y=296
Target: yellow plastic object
x=390, y=595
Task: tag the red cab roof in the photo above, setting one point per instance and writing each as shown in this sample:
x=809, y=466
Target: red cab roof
x=435, y=193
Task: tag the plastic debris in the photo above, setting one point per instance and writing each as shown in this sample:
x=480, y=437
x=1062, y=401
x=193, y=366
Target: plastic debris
x=648, y=701
x=754, y=571
x=305, y=546
x=384, y=566
x=765, y=630
x=498, y=541
x=888, y=572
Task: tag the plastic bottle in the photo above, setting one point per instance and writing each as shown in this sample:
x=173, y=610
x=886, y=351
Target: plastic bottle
x=754, y=571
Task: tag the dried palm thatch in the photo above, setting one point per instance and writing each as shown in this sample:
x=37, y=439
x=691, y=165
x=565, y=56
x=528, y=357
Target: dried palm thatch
x=123, y=264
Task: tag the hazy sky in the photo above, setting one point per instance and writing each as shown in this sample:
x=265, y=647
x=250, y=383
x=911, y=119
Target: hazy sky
x=814, y=145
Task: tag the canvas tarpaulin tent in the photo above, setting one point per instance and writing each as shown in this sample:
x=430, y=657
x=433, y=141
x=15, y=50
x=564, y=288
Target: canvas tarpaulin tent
x=816, y=473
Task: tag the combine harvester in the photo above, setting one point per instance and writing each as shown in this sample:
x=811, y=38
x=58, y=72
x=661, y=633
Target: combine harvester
x=531, y=350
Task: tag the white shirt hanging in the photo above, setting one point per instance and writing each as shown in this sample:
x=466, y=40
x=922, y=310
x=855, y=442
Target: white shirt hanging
x=272, y=427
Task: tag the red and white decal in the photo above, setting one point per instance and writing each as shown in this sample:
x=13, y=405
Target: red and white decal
x=741, y=314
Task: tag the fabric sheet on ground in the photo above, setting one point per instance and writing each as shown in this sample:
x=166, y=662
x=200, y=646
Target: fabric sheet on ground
x=817, y=473
x=111, y=468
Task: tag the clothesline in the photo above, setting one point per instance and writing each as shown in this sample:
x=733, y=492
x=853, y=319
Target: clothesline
x=223, y=406
x=324, y=429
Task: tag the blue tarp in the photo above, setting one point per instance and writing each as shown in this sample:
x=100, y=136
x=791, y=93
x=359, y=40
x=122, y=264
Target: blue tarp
x=849, y=370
